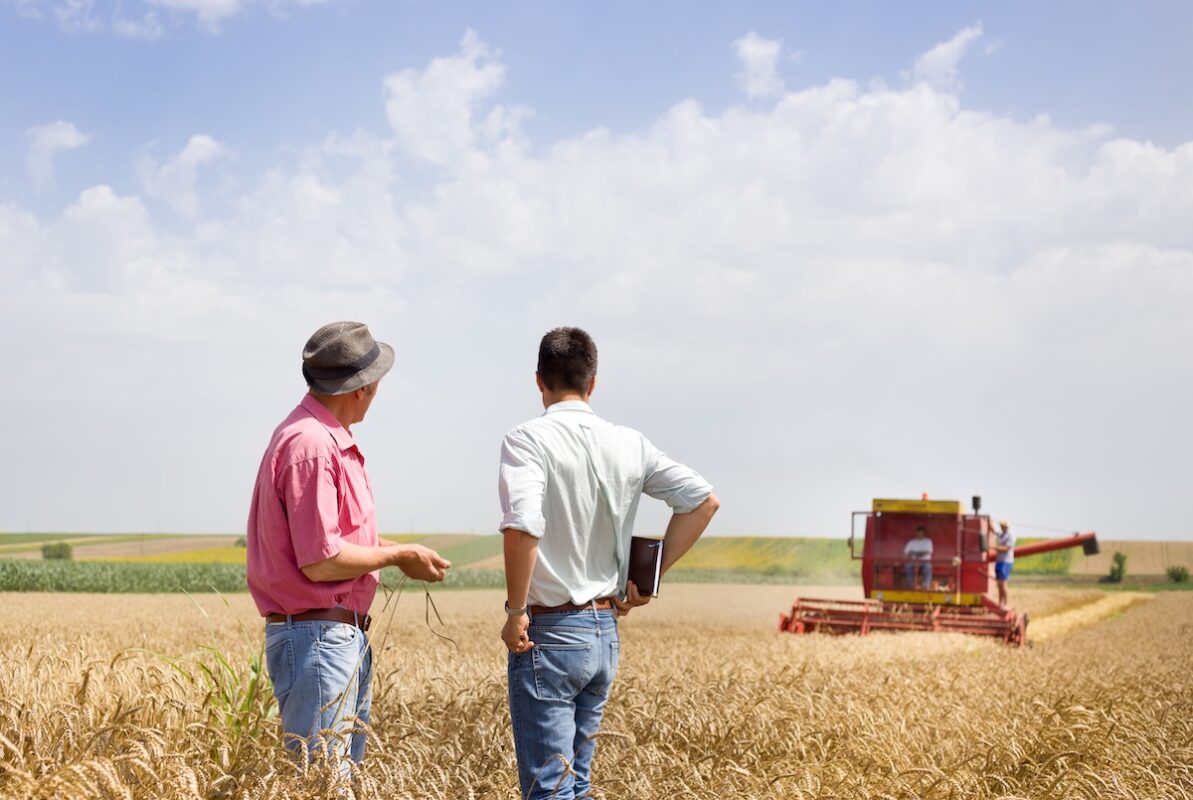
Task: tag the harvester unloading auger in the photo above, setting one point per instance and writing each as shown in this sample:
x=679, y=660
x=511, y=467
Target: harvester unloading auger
x=957, y=596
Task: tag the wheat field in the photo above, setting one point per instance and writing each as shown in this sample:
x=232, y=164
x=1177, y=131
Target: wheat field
x=121, y=696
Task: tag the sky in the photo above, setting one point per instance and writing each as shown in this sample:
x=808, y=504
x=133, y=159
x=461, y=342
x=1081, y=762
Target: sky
x=829, y=252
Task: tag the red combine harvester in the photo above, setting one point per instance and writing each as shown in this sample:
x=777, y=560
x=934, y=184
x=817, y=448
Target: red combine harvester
x=956, y=597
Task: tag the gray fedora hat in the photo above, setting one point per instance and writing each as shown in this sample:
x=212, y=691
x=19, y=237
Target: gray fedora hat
x=342, y=357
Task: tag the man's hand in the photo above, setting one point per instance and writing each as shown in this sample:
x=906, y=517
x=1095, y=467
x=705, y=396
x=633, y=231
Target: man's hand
x=421, y=563
x=516, y=634
x=631, y=600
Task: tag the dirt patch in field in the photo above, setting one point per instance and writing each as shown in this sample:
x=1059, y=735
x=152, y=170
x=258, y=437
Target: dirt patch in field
x=493, y=562
x=152, y=547
x=1143, y=558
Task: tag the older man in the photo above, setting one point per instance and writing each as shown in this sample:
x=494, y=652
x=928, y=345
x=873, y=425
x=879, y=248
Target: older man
x=569, y=485
x=313, y=549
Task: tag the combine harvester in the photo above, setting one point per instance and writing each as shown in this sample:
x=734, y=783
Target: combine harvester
x=957, y=597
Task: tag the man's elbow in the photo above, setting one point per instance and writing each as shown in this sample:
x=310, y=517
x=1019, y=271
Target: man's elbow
x=320, y=571
x=710, y=505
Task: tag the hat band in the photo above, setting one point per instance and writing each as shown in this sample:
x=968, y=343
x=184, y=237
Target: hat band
x=345, y=371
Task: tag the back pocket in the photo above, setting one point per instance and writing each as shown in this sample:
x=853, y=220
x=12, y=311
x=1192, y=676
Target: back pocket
x=565, y=659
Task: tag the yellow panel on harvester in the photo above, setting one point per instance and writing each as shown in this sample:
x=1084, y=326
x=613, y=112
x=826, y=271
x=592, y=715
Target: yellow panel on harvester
x=950, y=507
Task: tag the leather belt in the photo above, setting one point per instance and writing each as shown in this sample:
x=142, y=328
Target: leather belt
x=361, y=621
x=600, y=602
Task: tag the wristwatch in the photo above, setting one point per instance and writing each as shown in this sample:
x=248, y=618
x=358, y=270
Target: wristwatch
x=514, y=612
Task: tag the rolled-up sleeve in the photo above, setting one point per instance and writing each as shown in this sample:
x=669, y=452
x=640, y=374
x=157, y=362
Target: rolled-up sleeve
x=521, y=483
x=312, y=502
x=680, y=487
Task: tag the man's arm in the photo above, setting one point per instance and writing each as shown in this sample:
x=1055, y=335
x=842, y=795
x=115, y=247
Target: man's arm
x=682, y=532
x=521, y=551
x=521, y=482
x=308, y=489
x=693, y=505
x=684, y=529
x=354, y=560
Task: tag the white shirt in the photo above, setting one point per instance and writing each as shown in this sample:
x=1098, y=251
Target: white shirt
x=918, y=549
x=556, y=471
x=1007, y=539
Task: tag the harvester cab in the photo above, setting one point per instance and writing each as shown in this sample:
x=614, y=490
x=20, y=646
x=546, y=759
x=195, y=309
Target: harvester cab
x=939, y=582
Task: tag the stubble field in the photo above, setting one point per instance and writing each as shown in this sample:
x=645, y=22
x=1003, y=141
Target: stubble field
x=122, y=696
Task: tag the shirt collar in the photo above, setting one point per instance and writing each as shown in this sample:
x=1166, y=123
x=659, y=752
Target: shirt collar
x=568, y=405
x=343, y=438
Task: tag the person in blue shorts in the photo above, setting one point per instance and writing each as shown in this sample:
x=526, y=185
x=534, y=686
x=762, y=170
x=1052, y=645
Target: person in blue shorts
x=1004, y=560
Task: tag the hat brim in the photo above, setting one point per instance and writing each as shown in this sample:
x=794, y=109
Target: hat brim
x=370, y=374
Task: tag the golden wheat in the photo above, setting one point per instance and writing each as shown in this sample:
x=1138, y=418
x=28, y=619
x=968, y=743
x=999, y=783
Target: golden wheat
x=104, y=697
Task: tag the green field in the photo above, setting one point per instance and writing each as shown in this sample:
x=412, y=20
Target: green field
x=1058, y=562
x=118, y=577
x=459, y=548
x=801, y=559
x=194, y=565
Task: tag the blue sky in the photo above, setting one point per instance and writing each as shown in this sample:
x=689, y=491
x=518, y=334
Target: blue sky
x=830, y=251
x=269, y=76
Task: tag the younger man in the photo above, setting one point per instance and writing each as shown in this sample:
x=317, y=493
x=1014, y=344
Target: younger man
x=1004, y=561
x=569, y=485
x=918, y=552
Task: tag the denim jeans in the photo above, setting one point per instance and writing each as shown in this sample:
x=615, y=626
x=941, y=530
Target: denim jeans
x=322, y=675
x=923, y=568
x=557, y=693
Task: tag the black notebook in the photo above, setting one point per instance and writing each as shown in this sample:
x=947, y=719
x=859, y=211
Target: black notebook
x=646, y=564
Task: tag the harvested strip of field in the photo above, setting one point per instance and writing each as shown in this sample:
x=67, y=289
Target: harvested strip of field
x=1100, y=608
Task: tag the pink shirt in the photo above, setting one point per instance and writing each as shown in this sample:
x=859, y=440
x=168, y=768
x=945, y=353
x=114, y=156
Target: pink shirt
x=312, y=494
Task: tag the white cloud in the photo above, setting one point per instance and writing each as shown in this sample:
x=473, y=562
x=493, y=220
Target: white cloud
x=843, y=292
x=760, y=59
x=432, y=111
x=147, y=28
x=174, y=182
x=139, y=19
x=939, y=66
x=209, y=12
x=45, y=142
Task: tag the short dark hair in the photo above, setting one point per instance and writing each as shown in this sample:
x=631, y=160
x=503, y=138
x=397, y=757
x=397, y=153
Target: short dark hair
x=567, y=360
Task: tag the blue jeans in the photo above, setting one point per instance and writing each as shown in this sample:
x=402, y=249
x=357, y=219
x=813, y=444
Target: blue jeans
x=322, y=675
x=924, y=570
x=557, y=693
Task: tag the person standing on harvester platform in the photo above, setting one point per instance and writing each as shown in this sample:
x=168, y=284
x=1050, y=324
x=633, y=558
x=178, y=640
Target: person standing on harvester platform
x=313, y=549
x=1004, y=559
x=569, y=485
